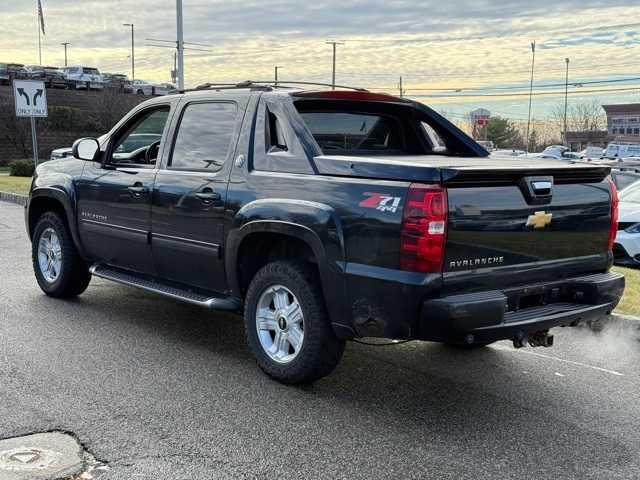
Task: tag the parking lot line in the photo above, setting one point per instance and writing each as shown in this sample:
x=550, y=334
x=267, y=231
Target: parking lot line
x=549, y=357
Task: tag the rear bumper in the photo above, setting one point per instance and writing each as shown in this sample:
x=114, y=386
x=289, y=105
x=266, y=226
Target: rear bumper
x=514, y=313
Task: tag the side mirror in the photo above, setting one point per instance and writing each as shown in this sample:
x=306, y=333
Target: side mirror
x=86, y=149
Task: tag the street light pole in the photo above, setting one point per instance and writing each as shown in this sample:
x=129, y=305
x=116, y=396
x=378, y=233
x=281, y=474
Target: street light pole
x=276, y=73
x=333, y=71
x=133, y=60
x=180, y=44
x=65, y=44
x=566, y=101
x=533, y=65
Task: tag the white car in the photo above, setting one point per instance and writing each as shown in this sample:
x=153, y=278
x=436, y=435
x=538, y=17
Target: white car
x=142, y=87
x=626, y=248
x=83, y=77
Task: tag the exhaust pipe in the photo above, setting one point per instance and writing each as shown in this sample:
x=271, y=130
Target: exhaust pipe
x=535, y=339
x=541, y=339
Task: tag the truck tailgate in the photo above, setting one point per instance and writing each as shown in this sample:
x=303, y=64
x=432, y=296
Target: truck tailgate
x=507, y=224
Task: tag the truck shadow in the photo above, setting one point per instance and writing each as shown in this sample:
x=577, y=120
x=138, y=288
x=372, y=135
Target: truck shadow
x=448, y=405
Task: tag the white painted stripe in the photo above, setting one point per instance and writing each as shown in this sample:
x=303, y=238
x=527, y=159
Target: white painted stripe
x=549, y=357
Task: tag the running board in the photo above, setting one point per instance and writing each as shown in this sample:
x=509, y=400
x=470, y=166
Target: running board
x=202, y=299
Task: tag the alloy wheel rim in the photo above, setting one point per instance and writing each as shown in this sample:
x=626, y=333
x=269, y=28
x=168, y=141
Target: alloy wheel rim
x=49, y=255
x=280, y=324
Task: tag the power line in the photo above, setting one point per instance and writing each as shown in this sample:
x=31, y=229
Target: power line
x=549, y=85
x=578, y=92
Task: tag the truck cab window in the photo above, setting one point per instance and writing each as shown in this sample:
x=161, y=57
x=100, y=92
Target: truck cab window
x=140, y=143
x=348, y=132
x=204, y=136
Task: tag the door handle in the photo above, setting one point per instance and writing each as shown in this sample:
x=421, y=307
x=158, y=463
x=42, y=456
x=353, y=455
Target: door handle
x=138, y=189
x=208, y=196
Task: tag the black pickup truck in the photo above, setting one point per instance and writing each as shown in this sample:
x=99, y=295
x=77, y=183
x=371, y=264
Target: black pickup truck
x=326, y=216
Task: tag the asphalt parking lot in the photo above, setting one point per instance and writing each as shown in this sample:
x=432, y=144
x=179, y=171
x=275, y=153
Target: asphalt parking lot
x=161, y=390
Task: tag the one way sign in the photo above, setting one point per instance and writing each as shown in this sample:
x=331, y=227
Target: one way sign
x=31, y=98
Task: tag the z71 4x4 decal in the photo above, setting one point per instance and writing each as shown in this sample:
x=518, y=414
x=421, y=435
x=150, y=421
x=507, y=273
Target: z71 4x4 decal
x=382, y=202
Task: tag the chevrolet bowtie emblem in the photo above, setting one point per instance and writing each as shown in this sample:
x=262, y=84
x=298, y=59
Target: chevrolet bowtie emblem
x=539, y=219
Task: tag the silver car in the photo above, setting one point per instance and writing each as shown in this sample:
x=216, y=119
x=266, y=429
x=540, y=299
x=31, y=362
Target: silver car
x=80, y=77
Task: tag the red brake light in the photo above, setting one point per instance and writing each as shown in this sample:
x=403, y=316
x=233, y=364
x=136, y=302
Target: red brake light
x=613, y=228
x=424, y=229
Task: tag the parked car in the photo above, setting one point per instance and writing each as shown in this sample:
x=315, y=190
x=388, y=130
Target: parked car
x=592, y=152
x=11, y=71
x=59, y=153
x=624, y=178
x=79, y=77
x=142, y=87
x=53, y=77
x=626, y=248
x=326, y=216
x=118, y=81
x=508, y=153
x=622, y=149
x=4, y=74
x=163, y=88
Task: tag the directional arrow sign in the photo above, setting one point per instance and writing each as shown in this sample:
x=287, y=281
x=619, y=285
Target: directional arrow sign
x=30, y=97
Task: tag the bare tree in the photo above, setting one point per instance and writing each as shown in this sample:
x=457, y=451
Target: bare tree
x=581, y=117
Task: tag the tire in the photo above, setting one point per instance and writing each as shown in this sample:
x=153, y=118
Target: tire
x=72, y=276
x=140, y=92
x=319, y=350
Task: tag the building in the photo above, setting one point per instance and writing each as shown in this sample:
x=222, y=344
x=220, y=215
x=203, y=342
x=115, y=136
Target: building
x=480, y=119
x=623, y=122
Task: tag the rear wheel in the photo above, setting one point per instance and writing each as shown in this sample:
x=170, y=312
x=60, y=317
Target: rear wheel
x=59, y=270
x=287, y=326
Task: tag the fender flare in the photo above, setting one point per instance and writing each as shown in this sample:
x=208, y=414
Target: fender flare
x=235, y=238
x=68, y=204
x=315, y=224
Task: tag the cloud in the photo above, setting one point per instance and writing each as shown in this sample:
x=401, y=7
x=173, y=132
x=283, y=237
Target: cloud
x=430, y=42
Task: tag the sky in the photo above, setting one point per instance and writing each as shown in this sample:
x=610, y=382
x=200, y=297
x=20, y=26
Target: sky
x=478, y=48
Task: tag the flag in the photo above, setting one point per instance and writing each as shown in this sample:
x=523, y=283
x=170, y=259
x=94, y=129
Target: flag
x=41, y=16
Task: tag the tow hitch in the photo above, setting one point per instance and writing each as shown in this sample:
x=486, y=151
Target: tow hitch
x=535, y=339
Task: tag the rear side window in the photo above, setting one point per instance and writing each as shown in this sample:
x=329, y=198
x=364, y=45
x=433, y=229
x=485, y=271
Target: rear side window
x=353, y=132
x=204, y=136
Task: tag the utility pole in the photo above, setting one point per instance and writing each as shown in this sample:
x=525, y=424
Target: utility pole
x=533, y=65
x=401, y=89
x=180, y=44
x=133, y=60
x=275, y=69
x=65, y=44
x=566, y=102
x=333, y=74
x=174, y=72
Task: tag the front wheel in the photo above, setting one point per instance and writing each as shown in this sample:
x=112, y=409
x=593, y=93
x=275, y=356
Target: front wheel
x=287, y=326
x=59, y=270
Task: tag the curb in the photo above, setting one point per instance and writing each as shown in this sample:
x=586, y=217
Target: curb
x=626, y=318
x=14, y=198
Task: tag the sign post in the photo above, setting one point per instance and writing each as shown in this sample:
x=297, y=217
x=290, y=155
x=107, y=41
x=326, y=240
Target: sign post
x=31, y=101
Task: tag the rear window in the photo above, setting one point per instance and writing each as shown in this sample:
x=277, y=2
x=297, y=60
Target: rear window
x=355, y=132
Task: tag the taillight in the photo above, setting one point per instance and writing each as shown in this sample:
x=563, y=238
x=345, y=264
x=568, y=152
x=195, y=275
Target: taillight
x=424, y=229
x=613, y=228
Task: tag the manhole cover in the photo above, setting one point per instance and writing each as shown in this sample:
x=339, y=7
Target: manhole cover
x=26, y=459
x=51, y=455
